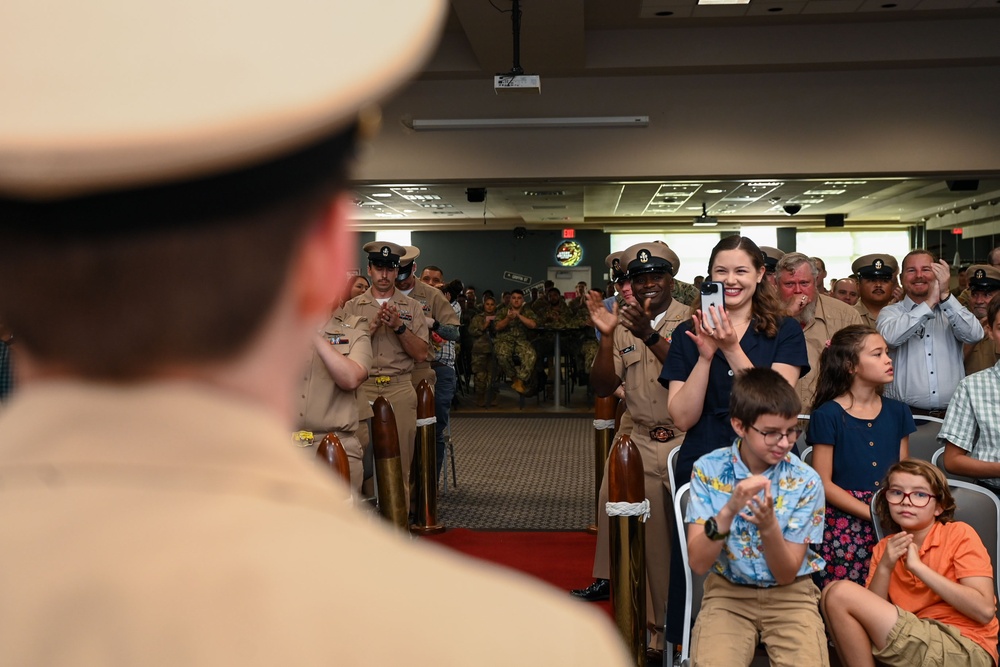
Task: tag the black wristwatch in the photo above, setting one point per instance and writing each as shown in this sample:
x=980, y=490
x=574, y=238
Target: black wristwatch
x=712, y=530
x=400, y=329
x=652, y=339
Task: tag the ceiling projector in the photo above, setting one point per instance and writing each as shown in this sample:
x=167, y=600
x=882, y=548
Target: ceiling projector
x=517, y=83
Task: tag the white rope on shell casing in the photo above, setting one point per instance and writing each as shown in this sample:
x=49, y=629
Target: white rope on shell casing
x=640, y=510
x=604, y=424
x=426, y=421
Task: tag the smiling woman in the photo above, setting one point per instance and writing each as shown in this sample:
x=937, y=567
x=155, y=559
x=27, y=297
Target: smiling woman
x=700, y=366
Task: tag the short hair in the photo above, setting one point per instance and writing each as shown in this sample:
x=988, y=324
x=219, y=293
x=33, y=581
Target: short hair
x=553, y=289
x=992, y=309
x=817, y=262
x=917, y=251
x=431, y=267
x=935, y=479
x=486, y=293
x=189, y=282
x=791, y=261
x=993, y=258
x=516, y=291
x=762, y=391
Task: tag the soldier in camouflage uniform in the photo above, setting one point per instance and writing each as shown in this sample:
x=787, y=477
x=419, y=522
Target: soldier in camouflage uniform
x=557, y=315
x=512, y=325
x=481, y=332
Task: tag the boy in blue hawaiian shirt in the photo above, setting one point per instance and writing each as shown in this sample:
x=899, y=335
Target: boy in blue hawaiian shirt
x=754, y=510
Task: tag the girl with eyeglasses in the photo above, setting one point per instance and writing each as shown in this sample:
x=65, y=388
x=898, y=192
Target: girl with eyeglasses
x=930, y=598
x=856, y=434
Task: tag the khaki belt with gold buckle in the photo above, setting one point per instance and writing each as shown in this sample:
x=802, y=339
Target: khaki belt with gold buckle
x=661, y=434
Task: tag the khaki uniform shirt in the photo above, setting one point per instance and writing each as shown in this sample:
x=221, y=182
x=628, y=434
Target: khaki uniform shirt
x=866, y=316
x=388, y=356
x=640, y=370
x=322, y=406
x=831, y=316
x=435, y=305
x=984, y=355
x=170, y=524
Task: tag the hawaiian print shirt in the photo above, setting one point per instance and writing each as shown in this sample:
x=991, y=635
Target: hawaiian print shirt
x=799, y=506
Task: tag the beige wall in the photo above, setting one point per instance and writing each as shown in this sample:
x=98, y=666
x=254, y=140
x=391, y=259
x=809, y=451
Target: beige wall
x=889, y=122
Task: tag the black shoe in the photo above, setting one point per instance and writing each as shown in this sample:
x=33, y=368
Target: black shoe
x=597, y=591
x=654, y=657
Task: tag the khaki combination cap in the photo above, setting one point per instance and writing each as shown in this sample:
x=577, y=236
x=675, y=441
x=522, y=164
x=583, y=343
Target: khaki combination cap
x=983, y=278
x=771, y=257
x=614, y=264
x=384, y=253
x=108, y=95
x=875, y=265
x=648, y=257
x=410, y=254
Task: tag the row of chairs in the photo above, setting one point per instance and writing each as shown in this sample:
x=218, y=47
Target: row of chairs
x=976, y=506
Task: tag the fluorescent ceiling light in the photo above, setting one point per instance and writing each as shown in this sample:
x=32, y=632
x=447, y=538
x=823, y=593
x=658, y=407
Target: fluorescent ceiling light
x=526, y=123
x=707, y=223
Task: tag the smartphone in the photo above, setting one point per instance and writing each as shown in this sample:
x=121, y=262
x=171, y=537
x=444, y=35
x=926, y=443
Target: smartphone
x=711, y=295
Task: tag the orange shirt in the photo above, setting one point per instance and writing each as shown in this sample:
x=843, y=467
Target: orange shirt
x=955, y=551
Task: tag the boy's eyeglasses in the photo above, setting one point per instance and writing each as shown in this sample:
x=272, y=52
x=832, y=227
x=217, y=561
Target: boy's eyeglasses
x=916, y=498
x=771, y=438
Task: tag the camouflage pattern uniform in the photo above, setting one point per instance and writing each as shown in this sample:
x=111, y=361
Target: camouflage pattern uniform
x=685, y=293
x=514, y=340
x=482, y=350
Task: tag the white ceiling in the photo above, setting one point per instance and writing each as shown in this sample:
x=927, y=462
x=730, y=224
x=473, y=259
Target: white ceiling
x=600, y=38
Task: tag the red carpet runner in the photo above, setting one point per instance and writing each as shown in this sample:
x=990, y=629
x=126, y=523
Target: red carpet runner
x=564, y=559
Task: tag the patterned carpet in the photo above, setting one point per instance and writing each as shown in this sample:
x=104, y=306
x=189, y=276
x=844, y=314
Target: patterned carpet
x=520, y=474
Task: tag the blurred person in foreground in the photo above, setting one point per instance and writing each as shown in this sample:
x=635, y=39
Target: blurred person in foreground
x=193, y=243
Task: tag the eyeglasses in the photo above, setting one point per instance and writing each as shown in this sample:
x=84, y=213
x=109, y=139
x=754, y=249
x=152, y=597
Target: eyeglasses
x=772, y=438
x=916, y=498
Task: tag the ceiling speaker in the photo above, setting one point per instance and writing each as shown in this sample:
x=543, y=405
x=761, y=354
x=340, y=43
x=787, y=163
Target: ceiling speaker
x=475, y=195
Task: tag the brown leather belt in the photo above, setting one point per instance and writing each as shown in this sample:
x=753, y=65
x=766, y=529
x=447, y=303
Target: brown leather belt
x=937, y=412
x=661, y=433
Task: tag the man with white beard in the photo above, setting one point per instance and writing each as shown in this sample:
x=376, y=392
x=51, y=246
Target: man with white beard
x=821, y=316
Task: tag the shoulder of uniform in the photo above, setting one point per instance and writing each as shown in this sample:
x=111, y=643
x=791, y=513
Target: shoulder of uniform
x=350, y=321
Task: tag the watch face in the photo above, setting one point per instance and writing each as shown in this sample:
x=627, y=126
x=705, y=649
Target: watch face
x=711, y=528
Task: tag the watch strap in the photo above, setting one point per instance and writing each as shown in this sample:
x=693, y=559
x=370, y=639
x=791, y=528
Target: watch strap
x=652, y=339
x=400, y=329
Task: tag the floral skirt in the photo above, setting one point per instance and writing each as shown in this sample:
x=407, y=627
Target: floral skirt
x=847, y=545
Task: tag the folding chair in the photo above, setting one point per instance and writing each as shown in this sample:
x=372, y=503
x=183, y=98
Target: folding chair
x=938, y=460
x=924, y=442
x=807, y=456
x=694, y=585
x=449, y=453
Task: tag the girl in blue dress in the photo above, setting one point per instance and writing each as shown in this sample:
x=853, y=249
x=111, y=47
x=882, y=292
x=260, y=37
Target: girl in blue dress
x=856, y=435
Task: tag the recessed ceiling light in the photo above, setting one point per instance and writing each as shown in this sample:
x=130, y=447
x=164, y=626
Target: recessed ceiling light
x=714, y=191
x=824, y=192
x=382, y=195
x=844, y=182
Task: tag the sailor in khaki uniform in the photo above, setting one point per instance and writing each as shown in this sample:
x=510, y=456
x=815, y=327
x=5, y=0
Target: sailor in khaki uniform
x=440, y=318
x=398, y=337
x=327, y=401
x=180, y=196
x=876, y=278
x=634, y=342
x=984, y=283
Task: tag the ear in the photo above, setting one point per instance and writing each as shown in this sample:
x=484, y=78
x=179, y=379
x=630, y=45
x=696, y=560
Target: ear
x=760, y=274
x=322, y=260
x=738, y=427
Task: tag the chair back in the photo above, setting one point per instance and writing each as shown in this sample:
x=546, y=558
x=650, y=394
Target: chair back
x=694, y=584
x=807, y=456
x=980, y=508
x=938, y=460
x=923, y=441
x=672, y=469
